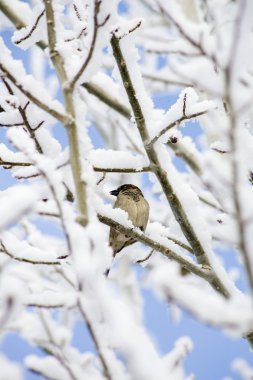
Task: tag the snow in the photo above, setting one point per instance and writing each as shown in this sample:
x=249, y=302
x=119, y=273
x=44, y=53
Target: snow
x=243, y=368
x=8, y=155
x=22, y=9
x=52, y=268
x=38, y=33
x=131, y=56
x=187, y=104
x=16, y=202
x=234, y=316
x=108, y=158
x=182, y=347
x=9, y=370
x=47, y=366
x=21, y=250
x=195, y=215
x=27, y=82
x=51, y=299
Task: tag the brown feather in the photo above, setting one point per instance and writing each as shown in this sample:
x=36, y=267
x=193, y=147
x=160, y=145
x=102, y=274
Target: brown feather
x=131, y=200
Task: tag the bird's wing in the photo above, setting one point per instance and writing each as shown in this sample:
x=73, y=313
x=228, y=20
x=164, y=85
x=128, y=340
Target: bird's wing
x=142, y=214
x=117, y=240
x=129, y=205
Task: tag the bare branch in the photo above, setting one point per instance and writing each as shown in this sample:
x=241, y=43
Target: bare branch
x=32, y=29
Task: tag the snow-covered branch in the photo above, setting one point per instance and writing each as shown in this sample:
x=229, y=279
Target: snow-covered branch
x=155, y=97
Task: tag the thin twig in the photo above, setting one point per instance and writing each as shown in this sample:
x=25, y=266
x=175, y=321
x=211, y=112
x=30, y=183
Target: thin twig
x=235, y=162
x=96, y=26
x=51, y=186
x=188, y=37
x=101, y=179
x=177, y=122
x=106, y=371
x=22, y=112
x=62, y=359
x=188, y=158
x=41, y=306
x=146, y=258
x=10, y=163
x=158, y=78
x=57, y=115
x=6, y=308
x=32, y=29
x=24, y=260
x=122, y=170
x=11, y=125
x=12, y=15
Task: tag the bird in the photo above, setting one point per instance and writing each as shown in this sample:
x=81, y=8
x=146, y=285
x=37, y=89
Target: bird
x=130, y=199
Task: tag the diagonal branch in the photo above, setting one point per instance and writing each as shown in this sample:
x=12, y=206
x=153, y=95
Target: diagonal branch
x=95, y=338
x=96, y=26
x=26, y=123
x=182, y=30
x=57, y=115
x=174, y=201
x=196, y=269
x=178, y=121
x=71, y=126
x=102, y=95
x=32, y=29
x=16, y=20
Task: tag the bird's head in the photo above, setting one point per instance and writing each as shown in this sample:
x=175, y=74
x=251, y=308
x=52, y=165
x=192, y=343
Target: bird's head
x=126, y=188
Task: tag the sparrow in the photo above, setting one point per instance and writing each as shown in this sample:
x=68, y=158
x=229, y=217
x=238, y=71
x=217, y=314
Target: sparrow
x=130, y=199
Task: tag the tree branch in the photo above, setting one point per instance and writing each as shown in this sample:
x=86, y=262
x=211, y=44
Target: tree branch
x=107, y=99
x=196, y=269
x=178, y=121
x=96, y=26
x=123, y=170
x=16, y=20
x=32, y=29
x=57, y=115
x=106, y=371
x=22, y=111
x=157, y=169
x=25, y=260
x=74, y=146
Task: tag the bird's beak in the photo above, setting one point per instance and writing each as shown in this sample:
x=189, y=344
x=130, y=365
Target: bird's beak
x=114, y=192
